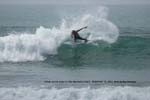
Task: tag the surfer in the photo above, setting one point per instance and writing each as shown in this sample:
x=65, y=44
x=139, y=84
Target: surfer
x=76, y=35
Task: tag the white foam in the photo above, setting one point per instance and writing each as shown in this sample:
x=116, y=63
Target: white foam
x=103, y=93
x=32, y=47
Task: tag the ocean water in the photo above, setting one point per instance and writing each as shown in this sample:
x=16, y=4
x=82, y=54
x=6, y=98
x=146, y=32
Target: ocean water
x=39, y=61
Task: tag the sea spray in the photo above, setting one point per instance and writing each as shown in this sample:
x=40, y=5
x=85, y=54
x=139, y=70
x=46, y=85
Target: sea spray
x=46, y=41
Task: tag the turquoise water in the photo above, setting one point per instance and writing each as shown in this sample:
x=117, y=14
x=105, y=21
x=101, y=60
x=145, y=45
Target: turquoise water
x=33, y=50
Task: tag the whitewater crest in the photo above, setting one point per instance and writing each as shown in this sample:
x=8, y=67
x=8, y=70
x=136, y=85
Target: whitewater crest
x=103, y=93
x=33, y=46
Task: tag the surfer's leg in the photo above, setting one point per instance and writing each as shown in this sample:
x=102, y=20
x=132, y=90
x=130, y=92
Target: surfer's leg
x=80, y=38
x=75, y=39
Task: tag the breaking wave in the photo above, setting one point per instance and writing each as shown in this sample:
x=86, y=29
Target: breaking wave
x=32, y=47
x=103, y=93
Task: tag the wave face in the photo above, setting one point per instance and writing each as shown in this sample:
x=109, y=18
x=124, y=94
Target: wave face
x=103, y=93
x=33, y=46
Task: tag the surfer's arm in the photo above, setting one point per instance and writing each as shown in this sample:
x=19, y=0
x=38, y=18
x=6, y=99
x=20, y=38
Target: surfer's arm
x=81, y=29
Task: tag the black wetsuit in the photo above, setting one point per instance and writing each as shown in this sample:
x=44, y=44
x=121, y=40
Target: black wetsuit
x=77, y=36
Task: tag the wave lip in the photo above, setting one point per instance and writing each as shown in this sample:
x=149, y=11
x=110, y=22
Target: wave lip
x=103, y=93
